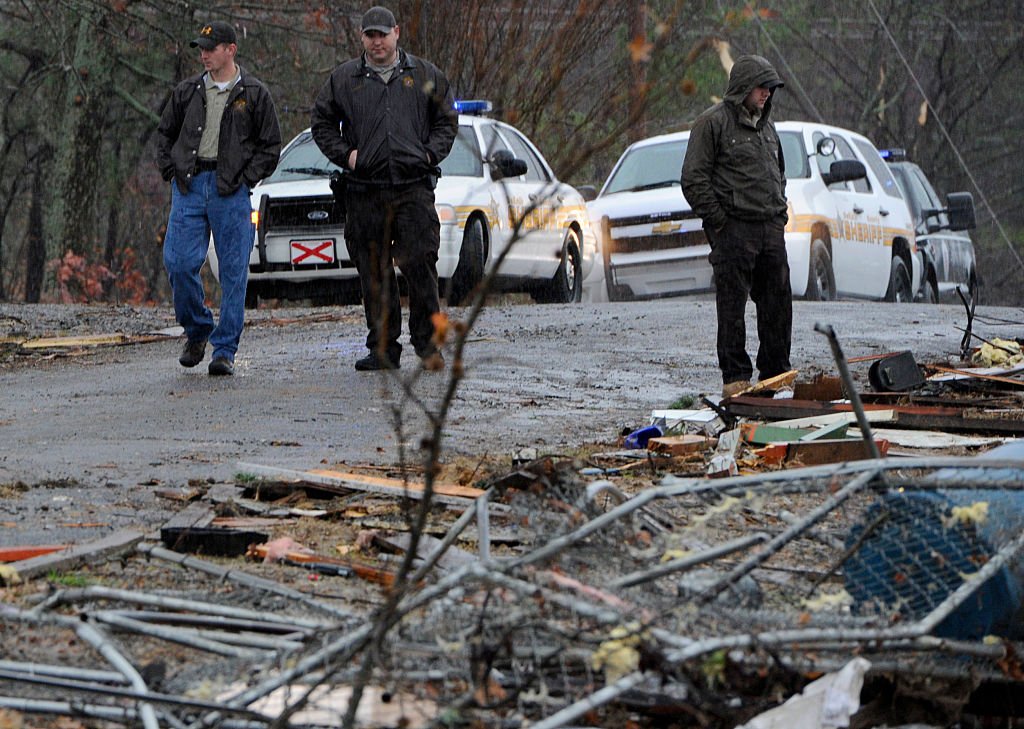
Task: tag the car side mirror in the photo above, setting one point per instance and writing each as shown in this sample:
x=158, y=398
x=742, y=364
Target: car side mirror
x=844, y=170
x=960, y=207
x=504, y=164
x=589, y=192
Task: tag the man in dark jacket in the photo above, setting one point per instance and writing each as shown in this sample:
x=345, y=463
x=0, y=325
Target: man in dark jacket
x=218, y=136
x=397, y=122
x=734, y=178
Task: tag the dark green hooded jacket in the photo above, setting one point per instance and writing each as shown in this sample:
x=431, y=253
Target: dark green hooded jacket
x=731, y=169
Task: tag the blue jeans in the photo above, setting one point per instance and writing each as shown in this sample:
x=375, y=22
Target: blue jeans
x=193, y=216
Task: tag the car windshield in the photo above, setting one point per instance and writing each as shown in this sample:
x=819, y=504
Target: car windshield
x=302, y=160
x=648, y=167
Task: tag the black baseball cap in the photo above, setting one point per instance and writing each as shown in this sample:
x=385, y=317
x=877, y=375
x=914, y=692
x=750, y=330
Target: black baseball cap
x=214, y=33
x=379, y=19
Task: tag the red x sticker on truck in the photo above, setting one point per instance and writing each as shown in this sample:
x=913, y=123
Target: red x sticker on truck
x=312, y=251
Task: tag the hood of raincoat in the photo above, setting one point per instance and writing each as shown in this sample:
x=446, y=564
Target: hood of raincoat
x=749, y=72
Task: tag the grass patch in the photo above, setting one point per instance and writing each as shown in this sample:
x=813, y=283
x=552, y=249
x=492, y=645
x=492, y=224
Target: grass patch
x=67, y=579
x=12, y=490
x=684, y=402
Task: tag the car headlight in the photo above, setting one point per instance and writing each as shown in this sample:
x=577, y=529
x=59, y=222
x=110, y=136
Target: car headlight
x=446, y=214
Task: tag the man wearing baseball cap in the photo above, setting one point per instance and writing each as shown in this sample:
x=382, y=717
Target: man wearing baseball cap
x=734, y=178
x=218, y=136
x=397, y=122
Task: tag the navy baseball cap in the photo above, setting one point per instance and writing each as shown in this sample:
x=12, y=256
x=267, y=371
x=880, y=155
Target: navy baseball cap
x=213, y=34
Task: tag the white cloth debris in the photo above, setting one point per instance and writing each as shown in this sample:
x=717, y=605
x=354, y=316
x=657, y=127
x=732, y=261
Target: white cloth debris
x=827, y=703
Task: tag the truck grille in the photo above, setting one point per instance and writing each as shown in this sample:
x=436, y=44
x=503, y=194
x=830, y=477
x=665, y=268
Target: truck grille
x=643, y=243
x=303, y=213
x=652, y=218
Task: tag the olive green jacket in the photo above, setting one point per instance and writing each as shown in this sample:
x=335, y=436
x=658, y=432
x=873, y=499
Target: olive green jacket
x=733, y=169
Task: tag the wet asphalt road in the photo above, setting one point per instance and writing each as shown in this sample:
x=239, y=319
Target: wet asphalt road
x=94, y=435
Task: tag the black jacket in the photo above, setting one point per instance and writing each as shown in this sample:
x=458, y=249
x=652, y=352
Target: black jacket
x=733, y=170
x=250, y=137
x=402, y=129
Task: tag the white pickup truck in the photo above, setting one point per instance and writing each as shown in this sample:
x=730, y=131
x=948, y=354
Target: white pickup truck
x=850, y=232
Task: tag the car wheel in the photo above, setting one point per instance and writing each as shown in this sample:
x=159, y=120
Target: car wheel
x=821, y=280
x=472, y=259
x=930, y=293
x=899, y=283
x=567, y=284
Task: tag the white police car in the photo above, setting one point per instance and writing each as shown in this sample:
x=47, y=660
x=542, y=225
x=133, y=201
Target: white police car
x=493, y=182
x=850, y=233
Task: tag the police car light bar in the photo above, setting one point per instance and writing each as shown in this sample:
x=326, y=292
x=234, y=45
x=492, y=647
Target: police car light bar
x=473, y=106
x=893, y=155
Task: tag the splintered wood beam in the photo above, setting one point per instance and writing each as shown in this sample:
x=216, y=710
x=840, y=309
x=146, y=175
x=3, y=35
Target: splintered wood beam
x=110, y=546
x=346, y=482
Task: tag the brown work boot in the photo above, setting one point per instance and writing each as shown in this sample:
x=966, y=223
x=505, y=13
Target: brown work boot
x=192, y=353
x=730, y=389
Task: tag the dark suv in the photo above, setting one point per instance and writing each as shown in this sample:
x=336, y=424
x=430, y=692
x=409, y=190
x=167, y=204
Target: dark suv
x=942, y=240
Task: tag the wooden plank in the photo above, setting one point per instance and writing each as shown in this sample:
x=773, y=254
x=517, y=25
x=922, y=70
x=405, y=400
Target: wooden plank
x=817, y=452
x=915, y=417
x=362, y=482
x=871, y=357
x=453, y=557
x=679, y=445
x=17, y=554
x=91, y=340
x=774, y=383
x=821, y=388
x=402, y=487
x=361, y=569
x=110, y=546
x=974, y=375
x=833, y=430
x=819, y=421
x=932, y=438
x=194, y=515
x=968, y=372
x=762, y=434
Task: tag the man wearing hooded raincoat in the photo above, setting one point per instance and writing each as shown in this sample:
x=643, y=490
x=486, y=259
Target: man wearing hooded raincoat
x=734, y=178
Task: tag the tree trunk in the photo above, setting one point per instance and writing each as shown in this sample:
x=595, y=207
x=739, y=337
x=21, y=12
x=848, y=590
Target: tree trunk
x=638, y=67
x=35, y=258
x=74, y=181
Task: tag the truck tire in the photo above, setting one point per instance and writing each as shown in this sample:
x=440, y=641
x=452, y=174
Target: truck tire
x=899, y=283
x=821, y=279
